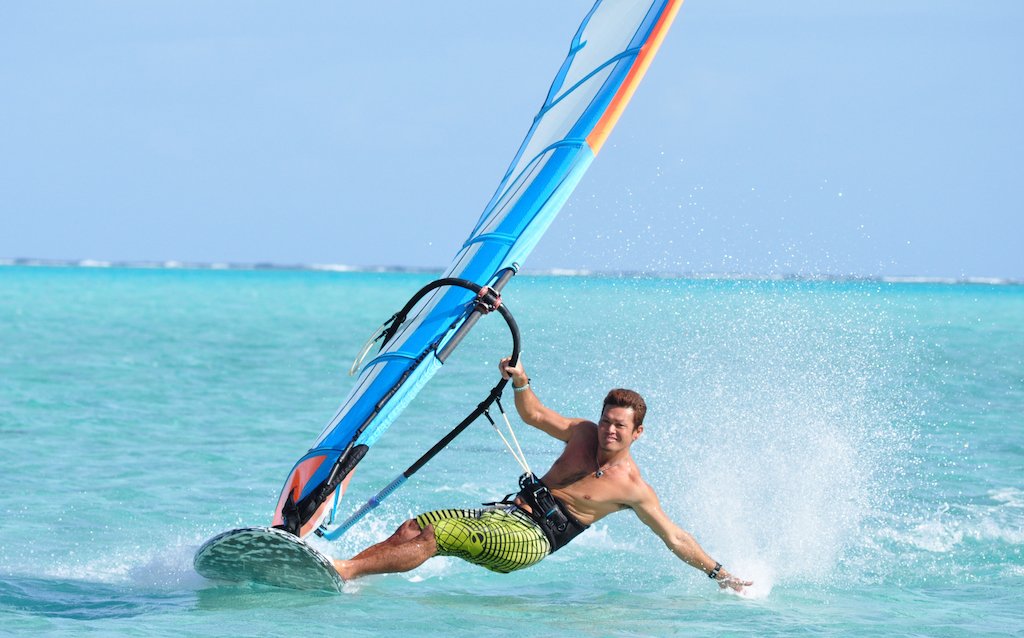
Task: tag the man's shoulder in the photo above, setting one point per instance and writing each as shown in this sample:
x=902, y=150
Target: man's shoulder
x=637, y=488
x=583, y=429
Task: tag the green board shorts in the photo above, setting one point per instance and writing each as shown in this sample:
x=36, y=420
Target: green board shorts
x=502, y=540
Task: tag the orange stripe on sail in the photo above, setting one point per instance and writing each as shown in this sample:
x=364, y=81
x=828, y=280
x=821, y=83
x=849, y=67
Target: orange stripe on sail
x=643, y=60
x=297, y=482
x=300, y=476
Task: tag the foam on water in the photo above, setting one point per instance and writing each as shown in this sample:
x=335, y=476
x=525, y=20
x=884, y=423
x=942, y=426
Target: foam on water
x=162, y=567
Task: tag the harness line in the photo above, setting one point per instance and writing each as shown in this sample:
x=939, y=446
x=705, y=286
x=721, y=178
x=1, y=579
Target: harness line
x=520, y=457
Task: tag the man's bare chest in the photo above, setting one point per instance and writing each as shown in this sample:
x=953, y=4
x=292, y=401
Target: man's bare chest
x=573, y=479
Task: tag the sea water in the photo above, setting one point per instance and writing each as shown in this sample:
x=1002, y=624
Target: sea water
x=853, y=447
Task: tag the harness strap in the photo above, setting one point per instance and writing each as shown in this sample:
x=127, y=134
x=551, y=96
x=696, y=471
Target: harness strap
x=549, y=513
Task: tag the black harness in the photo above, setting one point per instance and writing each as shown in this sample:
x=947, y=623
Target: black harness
x=558, y=524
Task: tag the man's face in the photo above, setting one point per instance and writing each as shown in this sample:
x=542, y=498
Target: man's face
x=615, y=430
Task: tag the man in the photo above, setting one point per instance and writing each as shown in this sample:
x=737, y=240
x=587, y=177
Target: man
x=593, y=477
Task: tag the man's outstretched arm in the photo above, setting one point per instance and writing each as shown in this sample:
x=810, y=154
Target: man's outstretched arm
x=530, y=409
x=648, y=509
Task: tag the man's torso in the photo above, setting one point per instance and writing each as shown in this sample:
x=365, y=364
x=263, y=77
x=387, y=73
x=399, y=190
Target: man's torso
x=572, y=479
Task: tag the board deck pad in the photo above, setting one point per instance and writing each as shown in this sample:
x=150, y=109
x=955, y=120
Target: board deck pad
x=267, y=556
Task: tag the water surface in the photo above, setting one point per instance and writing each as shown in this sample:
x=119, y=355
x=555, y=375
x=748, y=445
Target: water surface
x=853, y=447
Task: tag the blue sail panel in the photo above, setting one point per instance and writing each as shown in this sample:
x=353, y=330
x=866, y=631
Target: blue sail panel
x=607, y=58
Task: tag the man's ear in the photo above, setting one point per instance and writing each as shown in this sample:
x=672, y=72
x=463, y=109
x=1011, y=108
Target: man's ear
x=637, y=431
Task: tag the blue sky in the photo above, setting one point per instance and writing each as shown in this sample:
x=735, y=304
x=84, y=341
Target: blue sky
x=795, y=137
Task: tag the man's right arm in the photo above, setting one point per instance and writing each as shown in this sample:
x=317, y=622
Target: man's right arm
x=531, y=410
x=648, y=509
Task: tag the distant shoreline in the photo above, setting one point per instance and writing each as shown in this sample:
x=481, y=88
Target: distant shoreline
x=558, y=272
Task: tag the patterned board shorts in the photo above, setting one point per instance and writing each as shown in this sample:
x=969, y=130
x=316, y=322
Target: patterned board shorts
x=502, y=540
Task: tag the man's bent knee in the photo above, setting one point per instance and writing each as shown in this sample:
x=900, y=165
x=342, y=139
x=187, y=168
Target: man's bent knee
x=428, y=538
x=408, y=530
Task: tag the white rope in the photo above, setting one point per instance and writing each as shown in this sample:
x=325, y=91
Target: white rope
x=520, y=461
x=526, y=466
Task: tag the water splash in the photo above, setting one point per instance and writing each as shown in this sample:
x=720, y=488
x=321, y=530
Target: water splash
x=779, y=417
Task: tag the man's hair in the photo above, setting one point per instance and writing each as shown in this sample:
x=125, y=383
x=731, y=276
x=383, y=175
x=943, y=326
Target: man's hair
x=622, y=398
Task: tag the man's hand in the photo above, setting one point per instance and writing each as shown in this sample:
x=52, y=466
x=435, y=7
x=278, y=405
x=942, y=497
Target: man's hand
x=516, y=372
x=725, y=579
x=531, y=410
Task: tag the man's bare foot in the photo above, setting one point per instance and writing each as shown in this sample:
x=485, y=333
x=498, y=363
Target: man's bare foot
x=343, y=569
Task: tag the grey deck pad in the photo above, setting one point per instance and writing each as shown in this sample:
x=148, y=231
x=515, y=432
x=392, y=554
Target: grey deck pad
x=267, y=556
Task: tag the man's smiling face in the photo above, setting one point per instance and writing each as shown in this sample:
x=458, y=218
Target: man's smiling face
x=615, y=430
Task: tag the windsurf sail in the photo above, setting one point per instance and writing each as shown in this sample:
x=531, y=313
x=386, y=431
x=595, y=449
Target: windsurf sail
x=608, y=56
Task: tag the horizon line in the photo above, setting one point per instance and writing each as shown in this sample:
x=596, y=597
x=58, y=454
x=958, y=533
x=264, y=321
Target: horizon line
x=558, y=272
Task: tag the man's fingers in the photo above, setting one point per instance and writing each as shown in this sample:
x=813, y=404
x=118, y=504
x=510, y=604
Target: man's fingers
x=507, y=370
x=735, y=583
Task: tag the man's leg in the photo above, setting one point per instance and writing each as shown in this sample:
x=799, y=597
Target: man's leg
x=406, y=549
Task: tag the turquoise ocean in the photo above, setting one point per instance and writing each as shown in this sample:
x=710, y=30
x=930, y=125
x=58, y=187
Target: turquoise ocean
x=854, y=447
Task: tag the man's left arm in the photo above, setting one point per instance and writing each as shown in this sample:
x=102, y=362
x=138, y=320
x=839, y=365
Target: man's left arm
x=648, y=509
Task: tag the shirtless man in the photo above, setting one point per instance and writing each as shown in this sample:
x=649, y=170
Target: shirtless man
x=593, y=477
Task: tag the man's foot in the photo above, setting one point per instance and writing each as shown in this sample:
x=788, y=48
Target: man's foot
x=406, y=549
x=343, y=568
